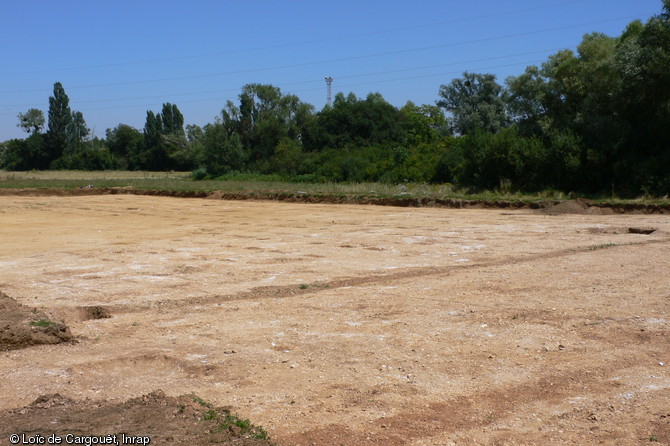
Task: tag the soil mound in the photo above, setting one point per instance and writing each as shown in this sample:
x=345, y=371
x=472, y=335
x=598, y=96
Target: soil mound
x=578, y=206
x=623, y=230
x=22, y=326
x=184, y=420
x=95, y=312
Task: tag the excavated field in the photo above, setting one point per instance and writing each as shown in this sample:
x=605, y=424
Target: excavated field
x=340, y=324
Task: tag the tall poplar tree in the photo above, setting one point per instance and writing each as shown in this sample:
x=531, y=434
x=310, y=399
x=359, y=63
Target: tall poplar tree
x=173, y=120
x=60, y=122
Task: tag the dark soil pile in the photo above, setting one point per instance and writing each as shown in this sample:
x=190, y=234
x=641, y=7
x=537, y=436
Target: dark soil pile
x=22, y=326
x=578, y=206
x=154, y=419
x=95, y=312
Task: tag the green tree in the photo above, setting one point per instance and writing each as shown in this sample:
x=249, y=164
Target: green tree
x=527, y=102
x=562, y=166
x=32, y=121
x=602, y=112
x=77, y=133
x=643, y=58
x=31, y=152
x=287, y=157
x=260, y=125
x=180, y=151
x=154, y=154
x=60, y=122
x=425, y=123
x=165, y=143
x=475, y=102
x=359, y=122
x=172, y=120
x=91, y=155
x=153, y=129
x=502, y=160
x=79, y=130
x=221, y=152
x=264, y=118
x=193, y=132
x=24, y=154
x=67, y=131
x=125, y=142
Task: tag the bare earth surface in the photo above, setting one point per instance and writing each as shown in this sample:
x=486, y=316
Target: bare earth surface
x=336, y=324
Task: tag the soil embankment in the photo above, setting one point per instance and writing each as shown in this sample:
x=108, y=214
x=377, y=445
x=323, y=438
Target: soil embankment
x=553, y=207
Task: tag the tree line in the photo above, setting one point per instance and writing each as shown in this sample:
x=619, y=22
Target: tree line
x=594, y=120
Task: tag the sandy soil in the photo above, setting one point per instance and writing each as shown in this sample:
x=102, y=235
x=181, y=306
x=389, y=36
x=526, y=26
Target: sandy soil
x=335, y=324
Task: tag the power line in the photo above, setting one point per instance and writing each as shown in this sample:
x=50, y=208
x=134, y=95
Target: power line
x=351, y=76
x=371, y=82
x=291, y=44
x=422, y=76
x=343, y=59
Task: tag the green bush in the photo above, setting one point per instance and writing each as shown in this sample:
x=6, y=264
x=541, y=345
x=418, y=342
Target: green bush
x=199, y=174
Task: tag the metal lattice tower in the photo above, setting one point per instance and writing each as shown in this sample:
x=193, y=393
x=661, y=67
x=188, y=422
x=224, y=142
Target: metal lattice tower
x=329, y=83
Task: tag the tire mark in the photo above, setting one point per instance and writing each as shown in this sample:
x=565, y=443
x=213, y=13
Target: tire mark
x=286, y=291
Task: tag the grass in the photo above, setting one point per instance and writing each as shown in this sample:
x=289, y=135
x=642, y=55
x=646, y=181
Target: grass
x=200, y=401
x=304, y=286
x=87, y=175
x=274, y=187
x=603, y=246
x=42, y=323
x=226, y=421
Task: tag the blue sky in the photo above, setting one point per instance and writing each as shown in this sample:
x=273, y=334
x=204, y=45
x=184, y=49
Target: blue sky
x=118, y=59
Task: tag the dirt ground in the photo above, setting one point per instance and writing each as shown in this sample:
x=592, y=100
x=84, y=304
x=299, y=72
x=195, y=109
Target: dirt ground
x=343, y=324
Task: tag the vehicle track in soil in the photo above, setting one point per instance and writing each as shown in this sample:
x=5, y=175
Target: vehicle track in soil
x=279, y=292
